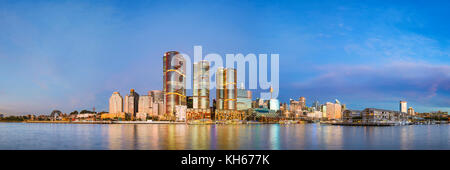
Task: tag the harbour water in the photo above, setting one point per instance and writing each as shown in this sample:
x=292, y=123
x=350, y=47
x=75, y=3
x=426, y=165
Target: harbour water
x=38, y=136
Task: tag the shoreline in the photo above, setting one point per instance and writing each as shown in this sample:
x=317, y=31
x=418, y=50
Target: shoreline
x=219, y=123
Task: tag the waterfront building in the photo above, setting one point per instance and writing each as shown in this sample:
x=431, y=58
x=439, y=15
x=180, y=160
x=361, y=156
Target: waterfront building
x=403, y=107
x=350, y=116
x=2, y=115
x=224, y=115
x=198, y=114
x=201, y=87
x=174, y=80
x=180, y=112
x=333, y=111
x=113, y=116
x=373, y=115
x=226, y=92
x=131, y=104
x=116, y=103
x=264, y=115
x=85, y=116
x=411, y=111
x=145, y=104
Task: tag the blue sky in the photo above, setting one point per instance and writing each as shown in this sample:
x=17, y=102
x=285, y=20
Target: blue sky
x=71, y=55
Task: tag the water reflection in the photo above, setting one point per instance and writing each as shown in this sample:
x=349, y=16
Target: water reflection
x=223, y=137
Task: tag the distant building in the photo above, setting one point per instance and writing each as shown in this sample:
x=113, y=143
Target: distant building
x=158, y=108
x=116, y=103
x=295, y=106
x=131, y=104
x=403, y=107
x=411, y=111
x=302, y=101
x=316, y=105
x=2, y=115
x=145, y=104
x=274, y=104
x=334, y=111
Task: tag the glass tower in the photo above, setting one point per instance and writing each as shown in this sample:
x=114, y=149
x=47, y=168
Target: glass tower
x=174, y=79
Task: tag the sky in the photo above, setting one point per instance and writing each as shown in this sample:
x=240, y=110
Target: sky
x=72, y=55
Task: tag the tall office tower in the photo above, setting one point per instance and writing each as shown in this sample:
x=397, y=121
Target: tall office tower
x=302, y=101
x=411, y=111
x=200, y=92
x=116, y=103
x=316, y=105
x=403, y=107
x=131, y=103
x=145, y=104
x=226, y=92
x=174, y=79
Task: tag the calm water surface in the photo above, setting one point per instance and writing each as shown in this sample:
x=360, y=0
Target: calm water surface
x=274, y=136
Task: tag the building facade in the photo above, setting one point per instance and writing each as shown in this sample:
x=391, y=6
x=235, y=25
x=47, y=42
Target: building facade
x=174, y=80
x=200, y=97
x=226, y=90
x=373, y=115
x=334, y=111
x=403, y=107
x=145, y=104
x=116, y=103
x=131, y=104
x=411, y=111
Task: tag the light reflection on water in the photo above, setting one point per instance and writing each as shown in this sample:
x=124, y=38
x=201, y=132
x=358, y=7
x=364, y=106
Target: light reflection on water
x=222, y=137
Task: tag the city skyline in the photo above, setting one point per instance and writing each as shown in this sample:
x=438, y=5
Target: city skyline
x=75, y=56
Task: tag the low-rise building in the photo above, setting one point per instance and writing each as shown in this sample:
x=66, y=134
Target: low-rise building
x=373, y=115
x=350, y=116
x=113, y=116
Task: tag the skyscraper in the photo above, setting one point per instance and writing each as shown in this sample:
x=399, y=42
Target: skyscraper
x=131, y=103
x=226, y=92
x=302, y=101
x=174, y=79
x=200, y=92
x=116, y=103
x=403, y=107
